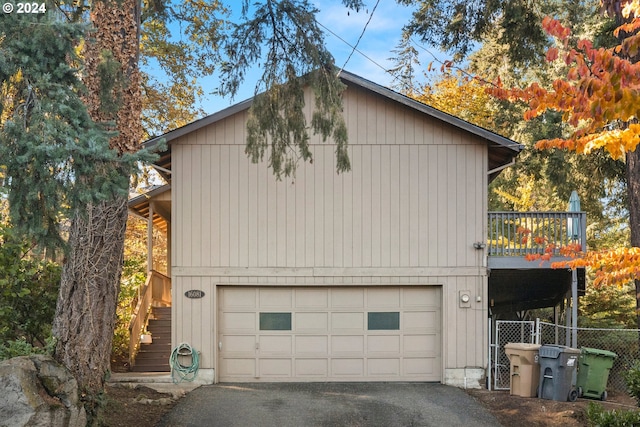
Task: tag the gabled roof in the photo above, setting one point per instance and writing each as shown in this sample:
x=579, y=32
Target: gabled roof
x=501, y=150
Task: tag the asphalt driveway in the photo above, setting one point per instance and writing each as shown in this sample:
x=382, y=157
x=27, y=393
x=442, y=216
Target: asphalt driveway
x=328, y=404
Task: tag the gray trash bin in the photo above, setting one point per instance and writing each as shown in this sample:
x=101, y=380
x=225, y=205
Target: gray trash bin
x=558, y=366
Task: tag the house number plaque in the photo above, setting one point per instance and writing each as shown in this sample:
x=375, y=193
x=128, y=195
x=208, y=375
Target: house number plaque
x=194, y=293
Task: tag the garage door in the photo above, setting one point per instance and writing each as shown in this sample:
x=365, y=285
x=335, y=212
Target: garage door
x=329, y=334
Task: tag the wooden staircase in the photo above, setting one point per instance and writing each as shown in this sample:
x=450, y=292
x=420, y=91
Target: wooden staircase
x=154, y=357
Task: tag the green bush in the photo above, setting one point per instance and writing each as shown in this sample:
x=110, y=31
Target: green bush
x=632, y=378
x=598, y=417
x=21, y=347
x=28, y=292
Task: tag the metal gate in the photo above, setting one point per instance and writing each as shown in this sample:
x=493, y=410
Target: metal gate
x=508, y=331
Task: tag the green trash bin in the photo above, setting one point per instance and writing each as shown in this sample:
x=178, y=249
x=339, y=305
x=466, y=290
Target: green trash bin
x=593, y=372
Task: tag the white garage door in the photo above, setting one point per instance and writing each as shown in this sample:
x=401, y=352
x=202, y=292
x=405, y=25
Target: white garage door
x=329, y=334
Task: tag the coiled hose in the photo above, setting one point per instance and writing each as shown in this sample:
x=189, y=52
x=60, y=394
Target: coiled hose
x=180, y=372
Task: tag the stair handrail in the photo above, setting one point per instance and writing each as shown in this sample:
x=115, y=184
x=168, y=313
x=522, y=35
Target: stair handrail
x=161, y=288
x=140, y=318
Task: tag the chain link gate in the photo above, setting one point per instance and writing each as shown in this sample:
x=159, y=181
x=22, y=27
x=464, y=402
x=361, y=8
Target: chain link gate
x=508, y=331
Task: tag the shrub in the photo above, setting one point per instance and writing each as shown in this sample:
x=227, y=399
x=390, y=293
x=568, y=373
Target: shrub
x=597, y=416
x=21, y=347
x=632, y=378
x=28, y=292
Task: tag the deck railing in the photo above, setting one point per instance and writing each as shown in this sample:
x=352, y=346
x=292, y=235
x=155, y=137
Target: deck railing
x=524, y=233
x=156, y=289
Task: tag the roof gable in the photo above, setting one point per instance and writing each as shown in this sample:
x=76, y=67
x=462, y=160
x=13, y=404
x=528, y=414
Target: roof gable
x=501, y=150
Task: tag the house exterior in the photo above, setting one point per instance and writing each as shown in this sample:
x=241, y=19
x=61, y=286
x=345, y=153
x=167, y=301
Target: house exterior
x=379, y=274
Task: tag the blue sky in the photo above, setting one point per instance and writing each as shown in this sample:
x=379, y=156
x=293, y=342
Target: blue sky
x=381, y=36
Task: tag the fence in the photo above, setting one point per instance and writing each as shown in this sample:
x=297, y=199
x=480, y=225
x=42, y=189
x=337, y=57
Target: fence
x=624, y=342
x=507, y=331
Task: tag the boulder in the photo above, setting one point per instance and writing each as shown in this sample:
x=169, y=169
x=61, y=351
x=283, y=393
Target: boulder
x=37, y=391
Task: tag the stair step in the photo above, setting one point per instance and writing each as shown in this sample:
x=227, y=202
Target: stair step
x=149, y=360
x=154, y=357
x=159, y=339
x=152, y=368
x=161, y=314
x=155, y=349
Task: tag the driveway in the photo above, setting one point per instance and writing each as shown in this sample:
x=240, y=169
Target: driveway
x=328, y=404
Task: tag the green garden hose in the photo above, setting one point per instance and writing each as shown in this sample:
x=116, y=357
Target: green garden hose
x=182, y=371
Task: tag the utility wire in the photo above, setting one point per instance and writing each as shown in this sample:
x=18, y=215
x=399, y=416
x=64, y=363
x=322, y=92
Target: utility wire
x=361, y=34
x=355, y=49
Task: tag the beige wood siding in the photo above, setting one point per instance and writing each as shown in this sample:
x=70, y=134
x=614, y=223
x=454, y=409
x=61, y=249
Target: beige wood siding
x=405, y=203
x=407, y=214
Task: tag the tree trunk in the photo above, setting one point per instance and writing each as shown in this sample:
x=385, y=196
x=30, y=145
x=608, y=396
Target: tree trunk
x=633, y=188
x=86, y=309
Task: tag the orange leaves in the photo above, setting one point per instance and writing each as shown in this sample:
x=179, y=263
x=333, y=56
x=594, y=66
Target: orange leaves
x=555, y=28
x=613, y=267
x=600, y=88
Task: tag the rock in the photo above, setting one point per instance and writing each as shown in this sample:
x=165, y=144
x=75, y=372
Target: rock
x=37, y=391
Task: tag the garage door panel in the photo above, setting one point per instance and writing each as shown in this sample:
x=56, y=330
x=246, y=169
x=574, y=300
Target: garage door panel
x=275, y=344
x=312, y=298
x=383, y=344
x=383, y=367
x=275, y=367
x=311, y=322
x=239, y=367
x=310, y=344
x=329, y=336
x=416, y=297
x=239, y=343
x=420, y=366
x=347, y=344
x=420, y=320
x=347, y=367
x=238, y=298
x=275, y=298
x=347, y=298
x=238, y=322
x=342, y=322
x=383, y=297
x=312, y=368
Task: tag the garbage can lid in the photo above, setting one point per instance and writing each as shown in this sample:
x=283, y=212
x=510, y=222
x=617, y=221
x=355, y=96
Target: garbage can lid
x=598, y=352
x=554, y=350
x=521, y=346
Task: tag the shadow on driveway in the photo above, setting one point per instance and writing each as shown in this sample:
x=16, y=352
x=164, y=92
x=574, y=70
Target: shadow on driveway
x=328, y=404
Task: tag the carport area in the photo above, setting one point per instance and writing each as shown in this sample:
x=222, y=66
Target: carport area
x=513, y=290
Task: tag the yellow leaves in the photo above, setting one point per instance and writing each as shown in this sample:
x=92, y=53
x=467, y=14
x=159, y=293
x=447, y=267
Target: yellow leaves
x=459, y=95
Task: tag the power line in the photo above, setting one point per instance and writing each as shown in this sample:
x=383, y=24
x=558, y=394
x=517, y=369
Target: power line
x=352, y=47
x=361, y=34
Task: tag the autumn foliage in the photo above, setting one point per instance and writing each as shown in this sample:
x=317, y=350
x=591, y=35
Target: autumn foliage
x=599, y=99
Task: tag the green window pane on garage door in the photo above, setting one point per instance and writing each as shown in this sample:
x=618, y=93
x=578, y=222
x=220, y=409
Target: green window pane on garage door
x=384, y=321
x=275, y=321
